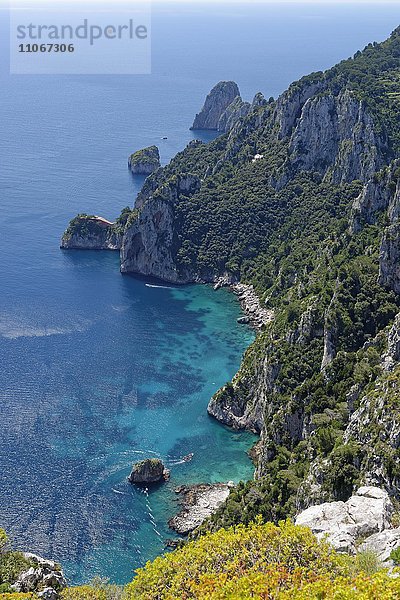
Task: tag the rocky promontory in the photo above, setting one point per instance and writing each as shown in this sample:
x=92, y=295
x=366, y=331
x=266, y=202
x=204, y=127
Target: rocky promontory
x=150, y=470
x=90, y=232
x=145, y=161
x=198, y=502
x=216, y=103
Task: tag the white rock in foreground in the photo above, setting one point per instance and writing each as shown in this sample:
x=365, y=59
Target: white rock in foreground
x=344, y=524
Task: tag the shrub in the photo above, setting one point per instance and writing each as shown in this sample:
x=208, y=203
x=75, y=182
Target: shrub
x=261, y=561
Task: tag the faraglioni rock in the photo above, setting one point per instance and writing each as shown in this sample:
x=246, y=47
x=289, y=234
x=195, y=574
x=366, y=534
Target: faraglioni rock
x=217, y=101
x=145, y=161
x=90, y=232
x=150, y=470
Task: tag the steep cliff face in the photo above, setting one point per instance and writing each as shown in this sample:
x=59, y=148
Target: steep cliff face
x=336, y=136
x=389, y=260
x=87, y=232
x=216, y=103
x=235, y=111
x=148, y=245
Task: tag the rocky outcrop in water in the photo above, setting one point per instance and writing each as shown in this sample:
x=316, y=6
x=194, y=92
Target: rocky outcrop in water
x=198, y=503
x=90, y=232
x=151, y=470
x=346, y=524
x=145, y=161
x=217, y=102
x=44, y=577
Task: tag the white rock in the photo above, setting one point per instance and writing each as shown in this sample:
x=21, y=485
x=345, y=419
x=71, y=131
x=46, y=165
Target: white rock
x=344, y=523
x=382, y=543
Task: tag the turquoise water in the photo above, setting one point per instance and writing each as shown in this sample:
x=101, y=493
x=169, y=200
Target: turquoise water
x=98, y=370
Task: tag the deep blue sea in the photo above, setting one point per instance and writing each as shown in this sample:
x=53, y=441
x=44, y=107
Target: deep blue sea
x=99, y=370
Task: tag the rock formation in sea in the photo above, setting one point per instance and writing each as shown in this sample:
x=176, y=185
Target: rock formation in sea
x=150, y=470
x=90, y=232
x=216, y=104
x=145, y=161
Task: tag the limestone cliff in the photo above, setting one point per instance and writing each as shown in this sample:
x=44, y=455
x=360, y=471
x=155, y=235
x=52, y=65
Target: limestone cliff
x=149, y=243
x=300, y=201
x=216, y=103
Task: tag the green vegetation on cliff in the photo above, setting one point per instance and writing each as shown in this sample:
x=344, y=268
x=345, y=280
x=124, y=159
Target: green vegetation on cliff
x=284, y=222
x=259, y=561
x=296, y=200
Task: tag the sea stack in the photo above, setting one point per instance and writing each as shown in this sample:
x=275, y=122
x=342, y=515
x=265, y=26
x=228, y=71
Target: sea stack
x=145, y=161
x=150, y=470
x=217, y=101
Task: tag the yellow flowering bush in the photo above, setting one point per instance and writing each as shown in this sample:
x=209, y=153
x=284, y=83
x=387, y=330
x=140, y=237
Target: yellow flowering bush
x=262, y=561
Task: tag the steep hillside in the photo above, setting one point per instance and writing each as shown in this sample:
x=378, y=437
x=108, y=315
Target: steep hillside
x=301, y=199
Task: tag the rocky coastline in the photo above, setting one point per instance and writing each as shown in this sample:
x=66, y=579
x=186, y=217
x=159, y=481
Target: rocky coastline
x=198, y=502
x=254, y=313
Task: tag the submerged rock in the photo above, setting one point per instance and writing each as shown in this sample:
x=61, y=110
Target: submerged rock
x=145, y=161
x=198, y=503
x=217, y=101
x=150, y=470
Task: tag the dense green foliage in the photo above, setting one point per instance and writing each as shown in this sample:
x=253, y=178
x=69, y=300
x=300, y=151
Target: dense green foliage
x=289, y=233
x=261, y=561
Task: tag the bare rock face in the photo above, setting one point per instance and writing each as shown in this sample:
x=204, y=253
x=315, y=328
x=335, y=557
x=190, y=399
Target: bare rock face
x=45, y=578
x=368, y=512
x=335, y=136
x=150, y=470
x=382, y=544
x=148, y=243
x=90, y=232
x=381, y=192
x=145, y=161
x=217, y=101
x=235, y=111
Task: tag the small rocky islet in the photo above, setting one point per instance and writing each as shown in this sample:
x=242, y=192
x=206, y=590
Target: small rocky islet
x=145, y=161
